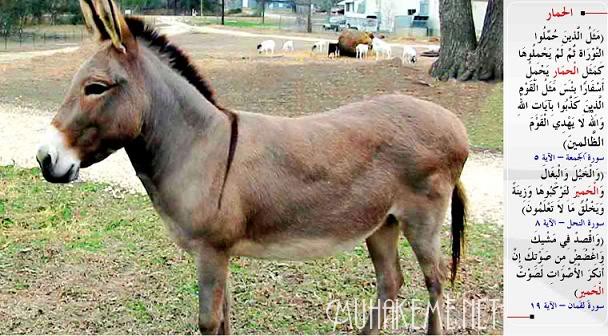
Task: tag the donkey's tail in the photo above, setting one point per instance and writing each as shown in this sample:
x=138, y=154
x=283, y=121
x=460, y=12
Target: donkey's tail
x=459, y=214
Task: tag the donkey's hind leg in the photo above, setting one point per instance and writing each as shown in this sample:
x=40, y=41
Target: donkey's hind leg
x=383, y=250
x=422, y=228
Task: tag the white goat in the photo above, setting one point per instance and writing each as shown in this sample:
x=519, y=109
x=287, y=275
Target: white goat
x=266, y=46
x=361, y=50
x=288, y=46
x=381, y=47
x=319, y=45
x=434, y=48
x=409, y=55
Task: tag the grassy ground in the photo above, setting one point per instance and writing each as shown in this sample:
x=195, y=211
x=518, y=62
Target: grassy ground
x=237, y=22
x=58, y=28
x=246, y=24
x=83, y=258
x=485, y=127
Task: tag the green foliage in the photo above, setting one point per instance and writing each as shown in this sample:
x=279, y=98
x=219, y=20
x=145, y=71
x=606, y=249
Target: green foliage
x=325, y=4
x=15, y=14
x=12, y=15
x=235, y=11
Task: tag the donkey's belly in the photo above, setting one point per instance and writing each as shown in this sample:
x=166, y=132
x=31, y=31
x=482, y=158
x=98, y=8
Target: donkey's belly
x=297, y=248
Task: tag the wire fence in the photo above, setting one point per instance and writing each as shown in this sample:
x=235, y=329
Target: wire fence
x=287, y=22
x=40, y=39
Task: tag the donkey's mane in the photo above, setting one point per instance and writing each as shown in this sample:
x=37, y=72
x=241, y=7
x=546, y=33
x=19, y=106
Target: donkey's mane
x=178, y=59
x=181, y=63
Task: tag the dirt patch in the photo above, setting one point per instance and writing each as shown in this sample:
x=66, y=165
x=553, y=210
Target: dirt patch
x=291, y=84
x=41, y=81
x=10, y=57
x=284, y=88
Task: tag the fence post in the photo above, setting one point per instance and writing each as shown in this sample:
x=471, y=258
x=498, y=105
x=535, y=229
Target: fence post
x=34, y=39
x=44, y=38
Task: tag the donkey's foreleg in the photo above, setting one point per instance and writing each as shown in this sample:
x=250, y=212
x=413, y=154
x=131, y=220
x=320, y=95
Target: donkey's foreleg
x=225, y=325
x=382, y=246
x=212, y=268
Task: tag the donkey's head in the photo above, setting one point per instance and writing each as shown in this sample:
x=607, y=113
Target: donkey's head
x=104, y=105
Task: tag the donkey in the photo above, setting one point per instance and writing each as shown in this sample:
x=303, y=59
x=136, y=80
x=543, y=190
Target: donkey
x=232, y=183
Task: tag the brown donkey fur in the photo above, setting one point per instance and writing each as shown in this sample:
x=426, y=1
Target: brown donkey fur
x=244, y=184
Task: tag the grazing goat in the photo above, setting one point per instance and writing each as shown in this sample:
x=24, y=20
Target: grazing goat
x=361, y=50
x=333, y=50
x=319, y=45
x=288, y=46
x=266, y=46
x=381, y=47
x=409, y=55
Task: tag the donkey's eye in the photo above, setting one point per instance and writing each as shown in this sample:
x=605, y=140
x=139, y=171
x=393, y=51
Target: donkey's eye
x=95, y=89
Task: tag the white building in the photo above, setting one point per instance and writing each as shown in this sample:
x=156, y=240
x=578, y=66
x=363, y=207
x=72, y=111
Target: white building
x=399, y=15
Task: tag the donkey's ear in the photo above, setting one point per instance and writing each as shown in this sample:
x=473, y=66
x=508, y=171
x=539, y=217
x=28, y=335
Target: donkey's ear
x=104, y=19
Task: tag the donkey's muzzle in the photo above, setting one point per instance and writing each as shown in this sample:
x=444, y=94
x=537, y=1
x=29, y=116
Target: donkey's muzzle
x=47, y=158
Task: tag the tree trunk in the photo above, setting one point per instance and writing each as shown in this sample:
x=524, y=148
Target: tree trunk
x=457, y=38
x=461, y=57
x=486, y=62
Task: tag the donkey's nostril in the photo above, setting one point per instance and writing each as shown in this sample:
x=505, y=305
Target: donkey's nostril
x=46, y=155
x=43, y=154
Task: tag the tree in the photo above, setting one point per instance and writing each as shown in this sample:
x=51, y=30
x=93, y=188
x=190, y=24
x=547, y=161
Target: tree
x=462, y=56
x=38, y=9
x=13, y=16
x=325, y=5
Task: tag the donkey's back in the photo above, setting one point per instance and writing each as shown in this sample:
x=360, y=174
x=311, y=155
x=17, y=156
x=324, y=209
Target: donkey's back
x=396, y=129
